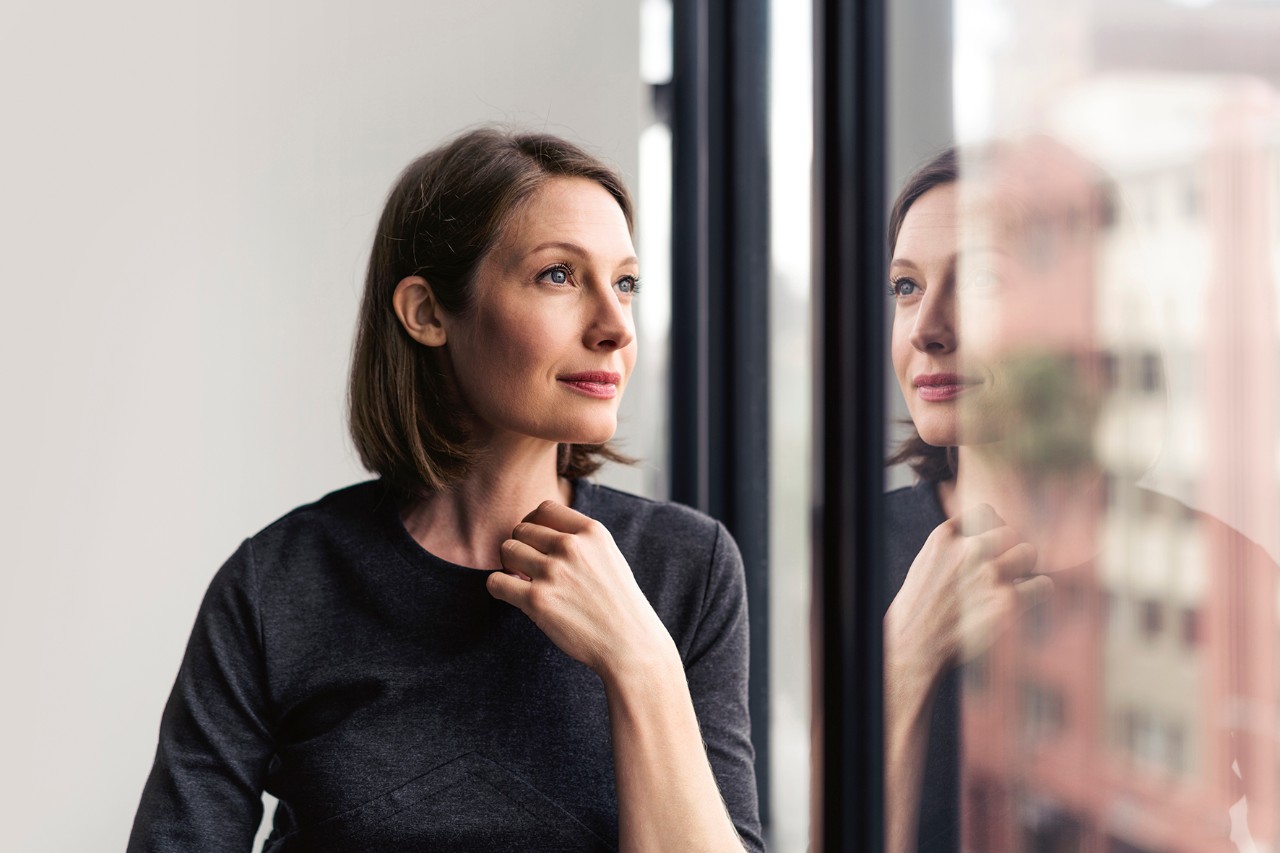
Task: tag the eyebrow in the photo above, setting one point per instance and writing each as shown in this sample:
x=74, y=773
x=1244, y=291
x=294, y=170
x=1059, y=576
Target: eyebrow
x=954, y=257
x=576, y=249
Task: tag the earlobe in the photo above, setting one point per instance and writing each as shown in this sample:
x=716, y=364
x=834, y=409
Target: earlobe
x=419, y=313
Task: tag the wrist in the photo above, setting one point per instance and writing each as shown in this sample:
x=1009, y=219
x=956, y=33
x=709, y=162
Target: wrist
x=644, y=667
x=912, y=667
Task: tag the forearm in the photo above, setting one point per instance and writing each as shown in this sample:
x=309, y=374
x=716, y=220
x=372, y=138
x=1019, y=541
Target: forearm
x=908, y=691
x=667, y=794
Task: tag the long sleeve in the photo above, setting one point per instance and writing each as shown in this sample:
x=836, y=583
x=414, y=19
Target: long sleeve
x=204, y=791
x=716, y=667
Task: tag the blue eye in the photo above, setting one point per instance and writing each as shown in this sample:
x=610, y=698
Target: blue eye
x=901, y=287
x=628, y=284
x=560, y=275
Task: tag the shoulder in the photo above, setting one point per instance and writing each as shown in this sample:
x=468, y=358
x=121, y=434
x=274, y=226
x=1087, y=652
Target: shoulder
x=636, y=520
x=910, y=515
x=342, y=522
x=913, y=508
x=684, y=560
x=349, y=505
x=1218, y=541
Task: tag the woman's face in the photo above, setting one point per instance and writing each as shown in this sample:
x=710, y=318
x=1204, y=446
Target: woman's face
x=1009, y=264
x=549, y=344
x=942, y=383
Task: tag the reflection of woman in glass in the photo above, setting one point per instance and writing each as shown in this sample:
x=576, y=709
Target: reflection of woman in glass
x=348, y=661
x=960, y=541
x=1147, y=679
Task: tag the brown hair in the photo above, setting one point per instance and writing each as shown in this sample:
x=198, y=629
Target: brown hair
x=444, y=213
x=930, y=462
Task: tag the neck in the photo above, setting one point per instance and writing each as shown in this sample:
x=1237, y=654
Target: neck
x=1058, y=512
x=467, y=524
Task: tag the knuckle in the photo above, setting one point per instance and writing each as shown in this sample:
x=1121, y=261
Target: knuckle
x=564, y=545
x=950, y=527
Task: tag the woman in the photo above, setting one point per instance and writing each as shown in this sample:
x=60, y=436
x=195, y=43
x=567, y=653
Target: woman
x=1098, y=727
x=988, y=513
x=349, y=660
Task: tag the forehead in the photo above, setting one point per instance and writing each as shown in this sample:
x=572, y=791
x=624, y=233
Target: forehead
x=576, y=210
x=930, y=227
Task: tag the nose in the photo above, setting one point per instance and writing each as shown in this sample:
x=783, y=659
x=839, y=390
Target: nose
x=934, y=331
x=610, y=326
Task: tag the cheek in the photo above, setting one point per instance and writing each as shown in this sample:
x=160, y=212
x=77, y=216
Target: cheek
x=493, y=359
x=629, y=355
x=900, y=350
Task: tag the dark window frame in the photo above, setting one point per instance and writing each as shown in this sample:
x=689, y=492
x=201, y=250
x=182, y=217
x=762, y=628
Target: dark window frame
x=719, y=388
x=850, y=165
x=719, y=404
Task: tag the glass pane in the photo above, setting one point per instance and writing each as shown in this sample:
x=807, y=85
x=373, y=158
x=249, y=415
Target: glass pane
x=790, y=423
x=1086, y=339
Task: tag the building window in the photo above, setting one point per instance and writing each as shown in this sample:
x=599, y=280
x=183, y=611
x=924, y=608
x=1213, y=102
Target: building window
x=1042, y=712
x=1151, y=372
x=1152, y=619
x=1191, y=202
x=1175, y=743
x=1189, y=626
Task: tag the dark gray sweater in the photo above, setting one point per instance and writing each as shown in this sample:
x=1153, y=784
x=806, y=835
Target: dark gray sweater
x=392, y=705
x=911, y=514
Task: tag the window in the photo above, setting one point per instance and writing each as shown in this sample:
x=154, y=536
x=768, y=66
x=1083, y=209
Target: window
x=1152, y=618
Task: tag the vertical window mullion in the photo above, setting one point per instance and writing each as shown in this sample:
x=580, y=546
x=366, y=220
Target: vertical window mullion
x=849, y=266
x=720, y=296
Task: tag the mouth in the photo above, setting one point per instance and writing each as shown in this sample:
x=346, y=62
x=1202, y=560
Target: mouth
x=599, y=384
x=940, y=387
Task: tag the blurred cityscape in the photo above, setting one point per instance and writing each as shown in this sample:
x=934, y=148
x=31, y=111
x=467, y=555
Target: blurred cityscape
x=1138, y=710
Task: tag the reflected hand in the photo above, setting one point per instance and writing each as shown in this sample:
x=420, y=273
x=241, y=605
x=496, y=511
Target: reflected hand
x=972, y=575
x=565, y=572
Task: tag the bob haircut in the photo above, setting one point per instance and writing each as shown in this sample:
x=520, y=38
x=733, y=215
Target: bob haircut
x=408, y=421
x=929, y=462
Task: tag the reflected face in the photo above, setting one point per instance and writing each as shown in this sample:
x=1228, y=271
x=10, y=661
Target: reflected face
x=940, y=381
x=549, y=344
x=992, y=324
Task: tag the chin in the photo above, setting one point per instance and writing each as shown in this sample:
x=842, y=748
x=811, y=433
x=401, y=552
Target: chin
x=938, y=434
x=587, y=433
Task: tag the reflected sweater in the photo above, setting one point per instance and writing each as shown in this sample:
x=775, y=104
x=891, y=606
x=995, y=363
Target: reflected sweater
x=391, y=704
x=911, y=514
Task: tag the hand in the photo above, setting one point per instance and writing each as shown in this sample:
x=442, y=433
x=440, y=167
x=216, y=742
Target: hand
x=567, y=575
x=972, y=575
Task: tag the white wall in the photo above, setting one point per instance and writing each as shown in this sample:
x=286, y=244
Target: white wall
x=188, y=195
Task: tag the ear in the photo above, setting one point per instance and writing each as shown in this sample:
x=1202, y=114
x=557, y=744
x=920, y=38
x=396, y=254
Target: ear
x=419, y=313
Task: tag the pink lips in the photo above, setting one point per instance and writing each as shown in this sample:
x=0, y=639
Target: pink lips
x=594, y=383
x=940, y=387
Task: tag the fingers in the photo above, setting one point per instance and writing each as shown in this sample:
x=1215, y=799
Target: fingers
x=1033, y=591
x=995, y=542
x=521, y=558
x=976, y=520
x=1016, y=562
x=509, y=588
x=559, y=517
x=541, y=538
